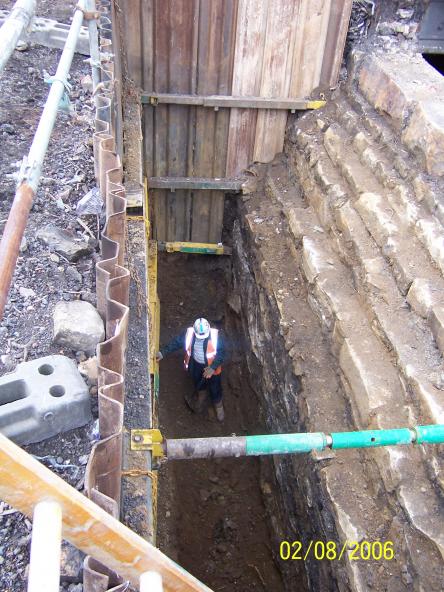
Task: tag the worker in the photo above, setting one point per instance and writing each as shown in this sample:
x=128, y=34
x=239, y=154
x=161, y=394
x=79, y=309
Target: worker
x=204, y=353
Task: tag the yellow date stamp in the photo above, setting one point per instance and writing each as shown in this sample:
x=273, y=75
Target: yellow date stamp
x=332, y=551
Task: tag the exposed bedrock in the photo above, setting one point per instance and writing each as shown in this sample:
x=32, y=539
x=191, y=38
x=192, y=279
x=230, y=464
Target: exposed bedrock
x=338, y=284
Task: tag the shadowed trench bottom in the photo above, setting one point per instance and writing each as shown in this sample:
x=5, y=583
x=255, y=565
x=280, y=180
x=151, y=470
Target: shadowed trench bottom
x=213, y=515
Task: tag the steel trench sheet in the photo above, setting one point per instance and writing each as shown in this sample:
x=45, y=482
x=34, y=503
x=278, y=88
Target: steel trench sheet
x=103, y=472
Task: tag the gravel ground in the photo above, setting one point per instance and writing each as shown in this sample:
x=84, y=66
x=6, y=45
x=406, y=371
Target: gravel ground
x=43, y=277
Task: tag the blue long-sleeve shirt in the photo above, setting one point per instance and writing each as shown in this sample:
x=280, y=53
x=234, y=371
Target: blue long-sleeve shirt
x=179, y=343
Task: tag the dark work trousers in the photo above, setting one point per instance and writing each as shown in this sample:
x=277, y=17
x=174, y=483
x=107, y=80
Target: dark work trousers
x=213, y=385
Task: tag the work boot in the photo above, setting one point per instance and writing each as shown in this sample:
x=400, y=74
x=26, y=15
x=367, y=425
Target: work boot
x=220, y=413
x=201, y=400
x=196, y=401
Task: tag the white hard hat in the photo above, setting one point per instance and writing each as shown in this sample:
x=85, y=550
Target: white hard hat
x=201, y=328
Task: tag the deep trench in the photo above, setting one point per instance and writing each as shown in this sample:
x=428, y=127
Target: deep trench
x=216, y=518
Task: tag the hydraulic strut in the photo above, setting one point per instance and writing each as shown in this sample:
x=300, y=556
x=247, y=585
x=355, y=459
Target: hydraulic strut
x=236, y=446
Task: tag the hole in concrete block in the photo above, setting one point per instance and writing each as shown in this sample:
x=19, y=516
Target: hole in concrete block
x=57, y=390
x=13, y=391
x=46, y=369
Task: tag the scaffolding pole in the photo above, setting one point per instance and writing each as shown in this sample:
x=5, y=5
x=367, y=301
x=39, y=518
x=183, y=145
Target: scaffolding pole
x=93, y=42
x=19, y=18
x=33, y=163
x=46, y=550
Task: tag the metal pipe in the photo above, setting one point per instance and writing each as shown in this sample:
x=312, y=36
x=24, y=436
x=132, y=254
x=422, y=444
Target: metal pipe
x=44, y=567
x=191, y=448
x=18, y=19
x=32, y=164
x=93, y=44
x=205, y=447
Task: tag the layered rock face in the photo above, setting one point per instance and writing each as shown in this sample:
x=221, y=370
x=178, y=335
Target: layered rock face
x=338, y=282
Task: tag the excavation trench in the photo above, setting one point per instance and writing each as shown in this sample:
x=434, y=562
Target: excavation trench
x=213, y=515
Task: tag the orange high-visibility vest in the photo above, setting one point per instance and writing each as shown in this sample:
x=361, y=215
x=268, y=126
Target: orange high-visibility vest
x=211, y=347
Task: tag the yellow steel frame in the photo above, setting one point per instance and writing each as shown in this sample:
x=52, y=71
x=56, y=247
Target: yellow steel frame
x=198, y=248
x=148, y=440
x=316, y=104
x=153, y=307
x=24, y=482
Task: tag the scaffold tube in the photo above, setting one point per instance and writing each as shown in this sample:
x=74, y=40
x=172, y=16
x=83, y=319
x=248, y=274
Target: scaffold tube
x=18, y=19
x=44, y=567
x=229, y=446
x=32, y=165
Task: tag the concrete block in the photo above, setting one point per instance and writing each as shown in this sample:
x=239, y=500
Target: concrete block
x=430, y=232
x=423, y=295
x=333, y=143
x=323, y=175
x=426, y=193
x=437, y=324
x=371, y=378
x=42, y=398
x=377, y=215
x=355, y=174
x=395, y=83
x=300, y=220
x=425, y=133
x=51, y=33
x=360, y=142
x=404, y=205
x=314, y=260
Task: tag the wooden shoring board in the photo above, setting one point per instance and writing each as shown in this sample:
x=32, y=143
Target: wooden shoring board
x=226, y=48
x=247, y=68
x=227, y=102
x=24, y=482
x=153, y=304
x=335, y=42
x=214, y=73
x=275, y=77
x=309, y=45
x=212, y=184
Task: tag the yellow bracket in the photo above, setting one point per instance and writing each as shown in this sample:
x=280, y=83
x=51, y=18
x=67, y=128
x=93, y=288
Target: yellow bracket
x=315, y=104
x=197, y=248
x=138, y=473
x=149, y=440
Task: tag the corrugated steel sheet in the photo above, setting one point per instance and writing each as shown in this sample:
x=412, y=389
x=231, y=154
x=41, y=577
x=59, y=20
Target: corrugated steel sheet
x=272, y=48
x=103, y=472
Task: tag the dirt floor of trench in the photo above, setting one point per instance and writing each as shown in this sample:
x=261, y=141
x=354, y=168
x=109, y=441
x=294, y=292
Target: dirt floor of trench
x=211, y=515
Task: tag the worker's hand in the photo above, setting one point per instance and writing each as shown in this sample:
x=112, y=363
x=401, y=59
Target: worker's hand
x=208, y=372
x=159, y=357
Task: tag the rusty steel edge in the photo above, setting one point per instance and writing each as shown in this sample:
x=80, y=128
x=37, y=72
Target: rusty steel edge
x=104, y=468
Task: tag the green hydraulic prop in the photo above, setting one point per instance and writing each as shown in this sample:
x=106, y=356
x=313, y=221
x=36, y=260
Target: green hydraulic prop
x=236, y=446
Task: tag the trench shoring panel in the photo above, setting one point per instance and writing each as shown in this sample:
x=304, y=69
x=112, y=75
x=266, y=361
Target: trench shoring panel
x=274, y=48
x=103, y=472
